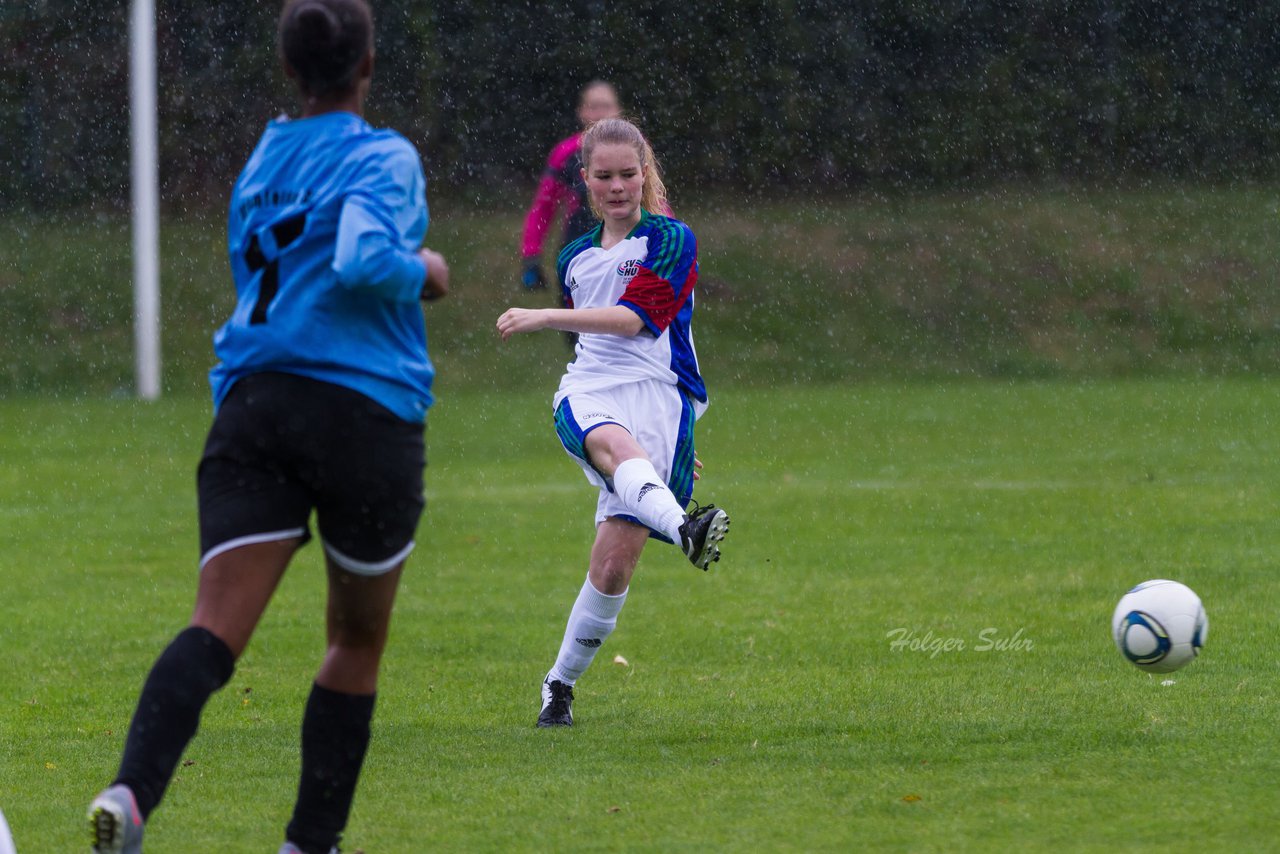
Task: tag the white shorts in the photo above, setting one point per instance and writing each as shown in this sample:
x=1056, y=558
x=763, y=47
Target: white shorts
x=658, y=415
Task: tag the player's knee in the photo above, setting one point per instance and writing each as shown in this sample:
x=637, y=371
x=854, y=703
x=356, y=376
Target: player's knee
x=350, y=670
x=610, y=446
x=353, y=659
x=612, y=568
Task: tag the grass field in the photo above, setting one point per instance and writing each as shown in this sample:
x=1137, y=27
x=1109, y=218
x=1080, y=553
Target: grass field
x=763, y=707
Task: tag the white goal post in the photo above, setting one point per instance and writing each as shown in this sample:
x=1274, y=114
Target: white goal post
x=145, y=185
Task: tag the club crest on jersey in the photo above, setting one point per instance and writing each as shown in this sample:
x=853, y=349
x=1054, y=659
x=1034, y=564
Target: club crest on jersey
x=628, y=269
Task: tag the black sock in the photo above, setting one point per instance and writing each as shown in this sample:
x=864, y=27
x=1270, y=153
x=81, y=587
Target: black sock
x=335, y=736
x=194, y=665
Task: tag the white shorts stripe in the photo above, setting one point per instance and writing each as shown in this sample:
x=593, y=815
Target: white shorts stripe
x=251, y=539
x=360, y=567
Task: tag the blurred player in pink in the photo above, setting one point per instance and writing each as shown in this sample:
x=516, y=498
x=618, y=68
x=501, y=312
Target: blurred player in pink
x=627, y=404
x=562, y=193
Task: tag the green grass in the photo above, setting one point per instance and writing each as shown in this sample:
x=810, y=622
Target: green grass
x=763, y=707
x=1010, y=283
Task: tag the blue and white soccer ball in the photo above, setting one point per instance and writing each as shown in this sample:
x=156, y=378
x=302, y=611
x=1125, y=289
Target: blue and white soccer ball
x=1160, y=625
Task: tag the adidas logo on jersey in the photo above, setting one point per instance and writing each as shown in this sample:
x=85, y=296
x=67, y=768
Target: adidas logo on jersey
x=589, y=643
x=628, y=269
x=646, y=489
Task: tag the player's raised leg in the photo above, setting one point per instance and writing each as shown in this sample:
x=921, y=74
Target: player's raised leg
x=637, y=484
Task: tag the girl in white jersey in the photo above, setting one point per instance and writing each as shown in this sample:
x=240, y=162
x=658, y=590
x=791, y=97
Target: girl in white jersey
x=626, y=406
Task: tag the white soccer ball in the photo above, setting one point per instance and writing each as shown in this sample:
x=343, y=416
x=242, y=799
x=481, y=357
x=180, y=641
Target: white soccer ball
x=6, y=841
x=1160, y=625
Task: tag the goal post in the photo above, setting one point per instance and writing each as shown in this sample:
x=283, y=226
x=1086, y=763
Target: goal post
x=145, y=188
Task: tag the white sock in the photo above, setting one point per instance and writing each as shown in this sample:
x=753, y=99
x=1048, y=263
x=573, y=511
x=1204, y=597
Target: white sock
x=637, y=483
x=592, y=620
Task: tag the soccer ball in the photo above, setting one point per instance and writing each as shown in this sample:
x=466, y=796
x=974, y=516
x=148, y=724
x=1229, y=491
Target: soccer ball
x=1160, y=625
x=6, y=841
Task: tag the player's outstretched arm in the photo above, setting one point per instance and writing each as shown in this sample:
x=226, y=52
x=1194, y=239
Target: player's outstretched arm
x=612, y=320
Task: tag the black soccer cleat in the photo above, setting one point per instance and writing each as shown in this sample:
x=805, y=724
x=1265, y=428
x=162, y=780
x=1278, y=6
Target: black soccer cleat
x=701, y=535
x=557, y=704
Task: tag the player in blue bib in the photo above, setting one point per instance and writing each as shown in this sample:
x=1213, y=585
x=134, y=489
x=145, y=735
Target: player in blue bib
x=325, y=223
x=627, y=404
x=320, y=394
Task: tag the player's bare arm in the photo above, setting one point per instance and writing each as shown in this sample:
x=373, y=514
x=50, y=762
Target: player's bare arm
x=610, y=320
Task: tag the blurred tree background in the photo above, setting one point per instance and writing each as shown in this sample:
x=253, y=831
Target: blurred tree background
x=805, y=96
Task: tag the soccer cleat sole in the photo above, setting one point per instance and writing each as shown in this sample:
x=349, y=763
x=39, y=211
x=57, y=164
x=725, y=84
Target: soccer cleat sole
x=115, y=826
x=554, y=724
x=106, y=831
x=711, y=546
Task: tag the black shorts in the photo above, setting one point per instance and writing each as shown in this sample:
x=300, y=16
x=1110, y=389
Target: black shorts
x=282, y=445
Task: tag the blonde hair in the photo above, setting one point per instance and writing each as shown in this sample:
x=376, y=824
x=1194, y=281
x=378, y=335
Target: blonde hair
x=653, y=196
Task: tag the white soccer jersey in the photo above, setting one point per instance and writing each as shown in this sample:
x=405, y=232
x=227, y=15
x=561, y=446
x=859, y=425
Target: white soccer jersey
x=652, y=272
